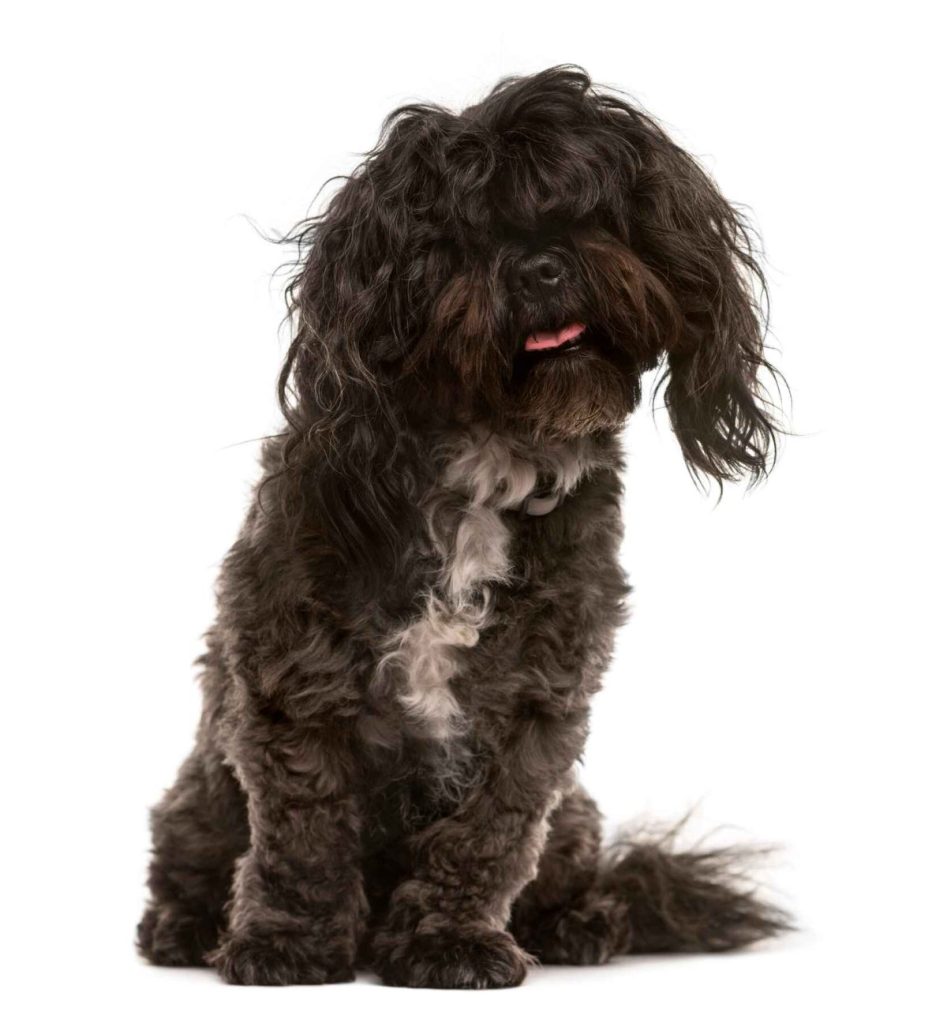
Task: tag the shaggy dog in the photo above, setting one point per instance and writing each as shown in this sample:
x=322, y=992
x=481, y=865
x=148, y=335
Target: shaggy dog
x=422, y=601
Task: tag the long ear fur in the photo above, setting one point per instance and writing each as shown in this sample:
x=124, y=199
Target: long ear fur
x=702, y=249
x=720, y=413
x=353, y=320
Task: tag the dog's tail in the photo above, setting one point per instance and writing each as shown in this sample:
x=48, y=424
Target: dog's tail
x=697, y=900
x=645, y=895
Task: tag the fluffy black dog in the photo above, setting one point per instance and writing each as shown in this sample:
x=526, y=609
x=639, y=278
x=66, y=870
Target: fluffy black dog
x=423, y=598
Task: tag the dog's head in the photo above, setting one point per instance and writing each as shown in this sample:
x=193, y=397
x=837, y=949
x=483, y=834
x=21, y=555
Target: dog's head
x=523, y=263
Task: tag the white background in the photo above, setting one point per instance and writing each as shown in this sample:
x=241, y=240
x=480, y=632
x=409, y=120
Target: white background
x=784, y=667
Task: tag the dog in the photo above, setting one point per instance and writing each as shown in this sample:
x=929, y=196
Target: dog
x=422, y=600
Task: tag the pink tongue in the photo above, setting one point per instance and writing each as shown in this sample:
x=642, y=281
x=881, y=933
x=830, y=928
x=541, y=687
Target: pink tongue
x=553, y=338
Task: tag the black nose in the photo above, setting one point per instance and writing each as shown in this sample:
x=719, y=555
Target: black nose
x=538, y=275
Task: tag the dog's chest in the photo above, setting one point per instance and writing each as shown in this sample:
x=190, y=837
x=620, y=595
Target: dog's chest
x=483, y=477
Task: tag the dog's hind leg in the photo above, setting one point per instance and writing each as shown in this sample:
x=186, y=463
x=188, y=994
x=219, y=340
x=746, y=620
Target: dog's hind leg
x=561, y=916
x=199, y=829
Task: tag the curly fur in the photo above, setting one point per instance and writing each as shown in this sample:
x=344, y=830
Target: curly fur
x=422, y=600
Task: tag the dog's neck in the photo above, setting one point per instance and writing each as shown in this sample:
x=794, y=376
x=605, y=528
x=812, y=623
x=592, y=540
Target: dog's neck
x=504, y=472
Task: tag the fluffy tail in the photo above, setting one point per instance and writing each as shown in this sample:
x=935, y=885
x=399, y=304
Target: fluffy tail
x=687, y=901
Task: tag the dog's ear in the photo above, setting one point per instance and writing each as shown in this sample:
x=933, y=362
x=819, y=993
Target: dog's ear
x=702, y=250
x=354, y=305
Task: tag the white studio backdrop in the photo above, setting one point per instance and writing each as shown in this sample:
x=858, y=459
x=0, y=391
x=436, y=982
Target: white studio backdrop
x=783, y=669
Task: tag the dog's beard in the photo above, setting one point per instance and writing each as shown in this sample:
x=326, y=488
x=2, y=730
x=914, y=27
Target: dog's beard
x=543, y=394
x=571, y=394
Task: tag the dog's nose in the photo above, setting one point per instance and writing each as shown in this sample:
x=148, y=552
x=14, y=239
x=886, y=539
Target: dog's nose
x=538, y=274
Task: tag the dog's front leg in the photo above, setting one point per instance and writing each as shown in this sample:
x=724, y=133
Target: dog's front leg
x=297, y=899
x=446, y=926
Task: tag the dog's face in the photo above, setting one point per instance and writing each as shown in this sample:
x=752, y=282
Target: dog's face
x=522, y=263
x=542, y=315
x=544, y=325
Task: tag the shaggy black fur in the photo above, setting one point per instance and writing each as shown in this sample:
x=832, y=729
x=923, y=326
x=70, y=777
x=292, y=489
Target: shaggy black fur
x=422, y=601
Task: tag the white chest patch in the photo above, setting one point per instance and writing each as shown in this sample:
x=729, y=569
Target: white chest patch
x=483, y=475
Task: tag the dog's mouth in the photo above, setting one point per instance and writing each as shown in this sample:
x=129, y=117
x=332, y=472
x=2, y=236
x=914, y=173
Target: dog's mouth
x=565, y=339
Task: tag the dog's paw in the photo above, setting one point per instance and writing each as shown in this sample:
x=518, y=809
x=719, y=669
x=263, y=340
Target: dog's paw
x=275, y=960
x=587, y=934
x=449, y=956
x=173, y=936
